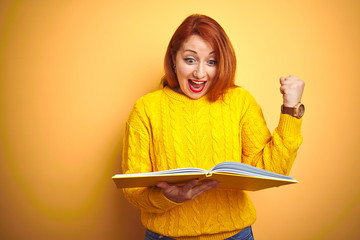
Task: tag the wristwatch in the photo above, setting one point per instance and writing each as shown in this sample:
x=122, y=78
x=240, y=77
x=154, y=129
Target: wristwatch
x=297, y=111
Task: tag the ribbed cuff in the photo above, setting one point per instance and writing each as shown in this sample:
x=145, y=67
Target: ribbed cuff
x=289, y=126
x=159, y=200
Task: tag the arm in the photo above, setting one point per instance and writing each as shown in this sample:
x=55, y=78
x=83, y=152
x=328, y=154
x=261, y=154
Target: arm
x=275, y=152
x=136, y=158
x=163, y=197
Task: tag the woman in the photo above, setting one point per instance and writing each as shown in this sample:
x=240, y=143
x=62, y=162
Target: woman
x=199, y=119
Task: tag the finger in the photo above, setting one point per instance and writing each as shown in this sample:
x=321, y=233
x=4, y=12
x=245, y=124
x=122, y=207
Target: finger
x=204, y=187
x=292, y=77
x=283, y=89
x=286, y=81
x=189, y=185
x=281, y=79
x=163, y=185
x=197, y=194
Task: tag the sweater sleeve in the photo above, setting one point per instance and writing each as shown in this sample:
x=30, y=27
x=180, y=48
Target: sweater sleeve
x=136, y=159
x=276, y=152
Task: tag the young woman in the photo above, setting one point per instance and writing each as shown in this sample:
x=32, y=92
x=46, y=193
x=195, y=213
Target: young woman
x=199, y=119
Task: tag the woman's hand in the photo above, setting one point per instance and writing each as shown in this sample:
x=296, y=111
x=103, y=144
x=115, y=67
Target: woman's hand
x=186, y=192
x=292, y=89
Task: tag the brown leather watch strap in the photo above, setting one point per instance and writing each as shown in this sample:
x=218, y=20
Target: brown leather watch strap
x=297, y=111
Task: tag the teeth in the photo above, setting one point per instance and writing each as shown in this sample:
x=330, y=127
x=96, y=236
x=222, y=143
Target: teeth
x=196, y=82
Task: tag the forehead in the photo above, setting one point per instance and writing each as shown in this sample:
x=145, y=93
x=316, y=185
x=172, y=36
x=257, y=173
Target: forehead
x=198, y=44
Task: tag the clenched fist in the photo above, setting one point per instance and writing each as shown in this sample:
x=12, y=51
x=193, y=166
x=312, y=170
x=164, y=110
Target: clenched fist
x=292, y=89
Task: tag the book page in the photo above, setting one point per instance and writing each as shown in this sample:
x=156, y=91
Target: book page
x=247, y=170
x=165, y=172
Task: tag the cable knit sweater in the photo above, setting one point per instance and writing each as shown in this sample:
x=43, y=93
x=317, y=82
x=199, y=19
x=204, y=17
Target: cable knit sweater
x=167, y=130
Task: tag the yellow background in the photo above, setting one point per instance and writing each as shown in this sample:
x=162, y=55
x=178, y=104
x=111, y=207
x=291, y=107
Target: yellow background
x=70, y=72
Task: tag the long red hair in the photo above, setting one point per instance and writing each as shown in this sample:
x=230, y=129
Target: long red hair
x=209, y=30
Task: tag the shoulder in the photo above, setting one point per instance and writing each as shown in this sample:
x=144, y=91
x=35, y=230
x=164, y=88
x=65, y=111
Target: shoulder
x=150, y=97
x=236, y=90
x=145, y=105
x=148, y=100
x=238, y=94
x=240, y=100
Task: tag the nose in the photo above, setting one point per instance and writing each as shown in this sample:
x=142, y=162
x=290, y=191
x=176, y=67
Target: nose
x=199, y=72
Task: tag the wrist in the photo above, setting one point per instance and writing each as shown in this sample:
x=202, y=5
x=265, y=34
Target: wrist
x=296, y=111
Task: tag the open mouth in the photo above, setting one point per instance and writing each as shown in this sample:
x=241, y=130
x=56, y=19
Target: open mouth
x=196, y=86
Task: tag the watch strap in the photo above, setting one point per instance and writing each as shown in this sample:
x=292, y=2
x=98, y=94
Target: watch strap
x=297, y=111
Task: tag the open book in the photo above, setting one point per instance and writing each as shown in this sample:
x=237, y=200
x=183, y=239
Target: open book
x=230, y=174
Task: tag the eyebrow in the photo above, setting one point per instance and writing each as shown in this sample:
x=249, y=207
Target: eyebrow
x=190, y=50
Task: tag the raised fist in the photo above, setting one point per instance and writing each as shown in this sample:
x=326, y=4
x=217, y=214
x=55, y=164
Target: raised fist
x=292, y=89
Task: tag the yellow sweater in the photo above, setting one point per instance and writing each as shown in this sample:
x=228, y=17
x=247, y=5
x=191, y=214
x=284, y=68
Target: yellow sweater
x=167, y=130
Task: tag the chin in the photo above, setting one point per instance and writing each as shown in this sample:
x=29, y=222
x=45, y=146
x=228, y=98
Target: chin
x=195, y=96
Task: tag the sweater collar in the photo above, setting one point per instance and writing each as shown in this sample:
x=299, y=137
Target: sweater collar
x=181, y=97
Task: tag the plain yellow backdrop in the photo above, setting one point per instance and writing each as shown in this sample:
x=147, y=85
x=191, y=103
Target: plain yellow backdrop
x=70, y=72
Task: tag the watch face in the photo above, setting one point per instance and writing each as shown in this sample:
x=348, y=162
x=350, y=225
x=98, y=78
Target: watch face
x=301, y=111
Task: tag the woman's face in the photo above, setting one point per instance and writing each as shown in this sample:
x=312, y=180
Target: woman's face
x=196, y=67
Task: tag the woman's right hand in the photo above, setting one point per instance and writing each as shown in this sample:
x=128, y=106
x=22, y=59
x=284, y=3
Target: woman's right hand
x=186, y=192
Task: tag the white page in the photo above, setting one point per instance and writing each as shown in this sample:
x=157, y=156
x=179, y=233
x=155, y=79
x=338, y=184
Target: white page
x=244, y=169
x=165, y=172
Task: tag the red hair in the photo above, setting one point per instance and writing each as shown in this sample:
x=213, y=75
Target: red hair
x=209, y=30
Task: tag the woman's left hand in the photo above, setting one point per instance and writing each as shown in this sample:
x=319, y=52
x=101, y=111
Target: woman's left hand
x=292, y=89
x=187, y=192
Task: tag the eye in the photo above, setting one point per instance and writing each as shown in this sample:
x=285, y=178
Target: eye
x=190, y=60
x=212, y=62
